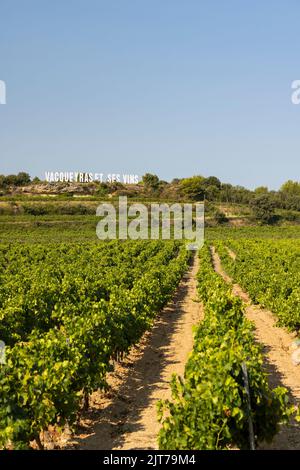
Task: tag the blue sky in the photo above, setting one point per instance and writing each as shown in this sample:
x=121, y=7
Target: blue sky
x=172, y=87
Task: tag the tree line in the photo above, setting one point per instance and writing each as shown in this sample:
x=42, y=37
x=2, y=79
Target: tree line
x=212, y=189
x=196, y=188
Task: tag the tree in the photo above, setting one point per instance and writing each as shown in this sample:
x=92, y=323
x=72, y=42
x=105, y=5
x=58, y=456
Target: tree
x=151, y=182
x=102, y=190
x=263, y=208
x=23, y=178
x=36, y=180
x=212, y=181
x=261, y=190
x=291, y=188
x=226, y=192
x=11, y=180
x=193, y=187
x=211, y=193
x=2, y=181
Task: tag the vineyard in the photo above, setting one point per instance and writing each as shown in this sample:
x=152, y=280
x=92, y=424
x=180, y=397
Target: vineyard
x=149, y=233
x=210, y=408
x=66, y=312
x=72, y=310
x=270, y=272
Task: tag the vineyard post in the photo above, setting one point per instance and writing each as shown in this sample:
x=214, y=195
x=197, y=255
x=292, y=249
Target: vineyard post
x=248, y=397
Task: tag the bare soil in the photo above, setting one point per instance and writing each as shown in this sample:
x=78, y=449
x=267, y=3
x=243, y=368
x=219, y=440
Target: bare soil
x=231, y=253
x=125, y=417
x=276, y=344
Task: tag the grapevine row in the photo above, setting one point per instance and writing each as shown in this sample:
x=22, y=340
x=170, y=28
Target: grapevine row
x=46, y=377
x=270, y=272
x=209, y=407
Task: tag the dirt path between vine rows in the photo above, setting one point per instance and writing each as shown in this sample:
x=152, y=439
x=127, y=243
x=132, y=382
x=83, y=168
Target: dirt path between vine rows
x=277, y=351
x=125, y=417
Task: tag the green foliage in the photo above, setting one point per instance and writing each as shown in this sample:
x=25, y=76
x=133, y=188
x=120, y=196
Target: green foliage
x=263, y=208
x=151, y=182
x=198, y=188
x=263, y=232
x=21, y=179
x=36, y=180
x=219, y=216
x=209, y=407
x=269, y=270
x=297, y=416
x=103, y=190
x=38, y=209
x=212, y=181
x=193, y=187
x=66, y=311
x=261, y=190
x=291, y=188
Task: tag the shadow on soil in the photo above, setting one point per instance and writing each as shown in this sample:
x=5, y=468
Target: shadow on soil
x=288, y=438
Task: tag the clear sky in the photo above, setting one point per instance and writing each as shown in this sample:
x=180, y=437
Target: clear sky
x=171, y=87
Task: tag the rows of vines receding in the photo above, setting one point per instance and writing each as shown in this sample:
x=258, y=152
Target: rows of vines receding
x=66, y=311
x=209, y=407
x=270, y=272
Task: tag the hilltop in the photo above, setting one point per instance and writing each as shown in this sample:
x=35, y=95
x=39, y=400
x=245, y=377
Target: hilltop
x=225, y=203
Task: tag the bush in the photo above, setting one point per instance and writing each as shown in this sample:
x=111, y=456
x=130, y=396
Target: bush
x=219, y=216
x=263, y=208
